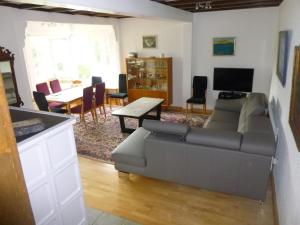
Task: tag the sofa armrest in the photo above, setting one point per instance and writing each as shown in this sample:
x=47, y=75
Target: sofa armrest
x=131, y=150
x=214, y=138
x=232, y=105
x=259, y=143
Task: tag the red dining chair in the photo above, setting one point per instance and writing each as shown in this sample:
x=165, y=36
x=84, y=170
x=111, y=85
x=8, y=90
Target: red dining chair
x=99, y=98
x=43, y=88
x=55, y=86
x=86, y=104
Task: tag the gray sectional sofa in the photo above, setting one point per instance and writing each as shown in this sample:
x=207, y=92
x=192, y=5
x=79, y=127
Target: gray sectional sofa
x=232, y=153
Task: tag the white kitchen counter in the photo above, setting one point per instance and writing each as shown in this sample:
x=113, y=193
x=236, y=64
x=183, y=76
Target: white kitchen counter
x=50, y=167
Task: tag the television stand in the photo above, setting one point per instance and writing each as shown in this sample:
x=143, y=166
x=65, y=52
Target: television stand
x=231, y=95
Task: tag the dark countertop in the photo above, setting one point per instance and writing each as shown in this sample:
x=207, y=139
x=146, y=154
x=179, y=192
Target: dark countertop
x=49, y=119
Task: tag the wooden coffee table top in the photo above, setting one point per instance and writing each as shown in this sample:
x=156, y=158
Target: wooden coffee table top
x=139, y=107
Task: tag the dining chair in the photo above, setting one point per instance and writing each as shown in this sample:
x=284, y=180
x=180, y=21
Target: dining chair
x=99, y=98
x=199, y=93
x=96, y=80
x=55, y=86
x=43, y=87
x=86, y=105
x=41, y=101
x=122, y=91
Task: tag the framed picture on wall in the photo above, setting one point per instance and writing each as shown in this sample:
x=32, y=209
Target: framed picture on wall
x=282, y=56
x=150, y=41
x=294, y=117
x=224, y=46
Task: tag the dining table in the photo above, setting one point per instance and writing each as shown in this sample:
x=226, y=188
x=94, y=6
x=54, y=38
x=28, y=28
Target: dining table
x=66, y=96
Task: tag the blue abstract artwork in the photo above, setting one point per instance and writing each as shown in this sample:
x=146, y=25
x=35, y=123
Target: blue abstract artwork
x=224, y=46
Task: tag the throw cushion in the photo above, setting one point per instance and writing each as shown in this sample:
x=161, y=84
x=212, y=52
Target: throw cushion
x=254, y=105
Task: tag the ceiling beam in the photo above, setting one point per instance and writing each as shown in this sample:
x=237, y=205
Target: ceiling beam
x=189, y=5
x=249, y=3
x=133, y=8
x=50, y=9
x=228, y=8
x=224, y=2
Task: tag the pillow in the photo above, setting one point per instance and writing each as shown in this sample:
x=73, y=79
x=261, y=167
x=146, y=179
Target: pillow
x=255, y=104
x=157, y=126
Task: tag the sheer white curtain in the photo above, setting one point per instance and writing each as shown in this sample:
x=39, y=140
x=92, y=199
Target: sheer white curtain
x=71, y=52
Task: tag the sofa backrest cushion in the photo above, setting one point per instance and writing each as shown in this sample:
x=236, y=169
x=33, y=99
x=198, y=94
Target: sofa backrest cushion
x=156, y=126
x=231, y=105
x=214, y=138
x=254, y=105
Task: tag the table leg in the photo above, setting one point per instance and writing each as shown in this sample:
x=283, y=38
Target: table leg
x=141, y=121
x=122, y=125
x=69, y=108
x=158, y=112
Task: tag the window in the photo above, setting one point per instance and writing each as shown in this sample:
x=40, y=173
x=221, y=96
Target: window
x=71, y=52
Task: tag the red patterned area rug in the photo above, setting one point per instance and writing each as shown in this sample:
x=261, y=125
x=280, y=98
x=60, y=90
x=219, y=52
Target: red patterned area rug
x=97, y=141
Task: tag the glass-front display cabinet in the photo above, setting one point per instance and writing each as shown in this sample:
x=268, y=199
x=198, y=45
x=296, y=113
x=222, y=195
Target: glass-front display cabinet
x=8, y=76
x=149, y=77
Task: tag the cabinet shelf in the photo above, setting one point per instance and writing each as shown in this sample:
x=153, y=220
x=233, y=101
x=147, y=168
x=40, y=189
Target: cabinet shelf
x=149, y=77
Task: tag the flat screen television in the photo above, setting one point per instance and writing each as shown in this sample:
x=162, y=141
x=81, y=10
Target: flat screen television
x=233, y=79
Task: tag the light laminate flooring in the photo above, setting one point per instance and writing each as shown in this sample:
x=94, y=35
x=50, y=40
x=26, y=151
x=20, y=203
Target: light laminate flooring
x=150, y=201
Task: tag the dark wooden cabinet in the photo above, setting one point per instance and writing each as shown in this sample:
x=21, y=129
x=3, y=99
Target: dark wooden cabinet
x=9, y=79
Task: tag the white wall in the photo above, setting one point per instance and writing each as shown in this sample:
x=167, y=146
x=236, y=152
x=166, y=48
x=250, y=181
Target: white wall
x=255, y=31
x=174, y=40
x=287, y=171
x=12, y=25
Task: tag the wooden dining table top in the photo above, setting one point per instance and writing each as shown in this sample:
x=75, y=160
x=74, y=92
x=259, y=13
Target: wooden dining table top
x=66, y=95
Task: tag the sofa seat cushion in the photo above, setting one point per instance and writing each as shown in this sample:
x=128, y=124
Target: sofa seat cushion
x=216, y=125
x=215, y=138
x=258, y=143
x=258, y=124
x=131, y=150
x=225, y=116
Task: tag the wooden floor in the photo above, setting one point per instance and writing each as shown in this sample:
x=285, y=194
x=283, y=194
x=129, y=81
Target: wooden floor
x=150, y=201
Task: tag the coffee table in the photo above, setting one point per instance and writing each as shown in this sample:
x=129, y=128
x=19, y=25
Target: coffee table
x=139, y=109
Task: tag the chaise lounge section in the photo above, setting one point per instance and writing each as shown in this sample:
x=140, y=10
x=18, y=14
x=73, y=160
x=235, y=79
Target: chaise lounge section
x=232, y=153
